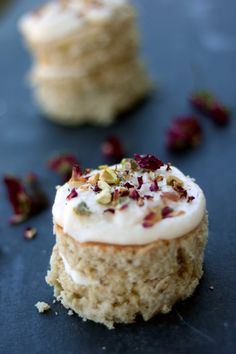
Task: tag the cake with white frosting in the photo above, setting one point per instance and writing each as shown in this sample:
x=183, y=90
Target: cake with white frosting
x=86, y=59
x=130, y=240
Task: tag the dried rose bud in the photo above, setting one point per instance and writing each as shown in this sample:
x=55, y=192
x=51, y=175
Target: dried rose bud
x=63, y=165
x=148, y=162
x=112, y=148
x=183, y=133
x=26, y=197
x=206, y=103
x=30, y=233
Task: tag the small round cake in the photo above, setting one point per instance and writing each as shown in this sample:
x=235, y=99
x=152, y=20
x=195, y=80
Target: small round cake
x=130, y=240
x=86, y=66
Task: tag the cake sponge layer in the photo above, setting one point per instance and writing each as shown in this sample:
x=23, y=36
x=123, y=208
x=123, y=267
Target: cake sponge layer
x=125, y=281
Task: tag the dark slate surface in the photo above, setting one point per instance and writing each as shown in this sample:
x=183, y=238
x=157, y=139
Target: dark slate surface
x=187, y=45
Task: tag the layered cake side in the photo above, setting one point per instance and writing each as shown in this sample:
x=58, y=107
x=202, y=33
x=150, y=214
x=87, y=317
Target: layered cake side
x=86, y=66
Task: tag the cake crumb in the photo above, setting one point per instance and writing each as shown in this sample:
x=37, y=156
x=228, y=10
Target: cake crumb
x=211, y=287
x=104, y=348
x=54, y=301
x=42, y=306
x=56, y=313
x=70, y=313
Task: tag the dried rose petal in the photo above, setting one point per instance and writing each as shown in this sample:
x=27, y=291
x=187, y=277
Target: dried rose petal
x=173, y=196
x=25, y=197
x=30, y=233
x=109, y=210
x=180, y=190
x=72, y=194
x=140, y=181
x=154, y=186
x=76, y=172
x=151, y=219
x=133, y=194
x=63, y=164
x=128, y=185
x=112, y=148
x=168, y=166
x=123, y=207
x=206, y=103
x=123, y=192
x=96, y=189
x=146, y=196
x=166, y=212
x=183, y=133
x=148, y=162
x=190, y=198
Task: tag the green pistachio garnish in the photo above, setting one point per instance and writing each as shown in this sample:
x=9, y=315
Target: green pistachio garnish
x=102, y=167
x=109, y=176
x=94, y=179
x=103, y=185
x=82, y=209
x=129, y=164
x=174, y=180
x=104, y=197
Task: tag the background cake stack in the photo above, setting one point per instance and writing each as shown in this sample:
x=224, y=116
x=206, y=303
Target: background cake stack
x=86, y=65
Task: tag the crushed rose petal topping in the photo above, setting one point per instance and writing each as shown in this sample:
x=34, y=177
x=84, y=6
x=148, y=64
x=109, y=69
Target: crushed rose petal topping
x=115, y=188
x=140, y=181
x=148, y=162
x=72, y=194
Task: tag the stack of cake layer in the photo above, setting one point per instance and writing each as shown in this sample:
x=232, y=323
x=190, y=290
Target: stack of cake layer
x=86, y=66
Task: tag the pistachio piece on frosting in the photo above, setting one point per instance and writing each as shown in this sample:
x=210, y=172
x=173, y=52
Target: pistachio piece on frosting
x=82, y=209
x=94, y=179
x=109, y=176
x=170, y=180
x=104, y=197
x=103, y=185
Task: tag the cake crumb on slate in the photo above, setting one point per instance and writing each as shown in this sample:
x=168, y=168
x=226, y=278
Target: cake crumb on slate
x=42, y=306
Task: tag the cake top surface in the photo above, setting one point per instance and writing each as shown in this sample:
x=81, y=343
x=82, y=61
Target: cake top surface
x=135, y=202
x=59, y=18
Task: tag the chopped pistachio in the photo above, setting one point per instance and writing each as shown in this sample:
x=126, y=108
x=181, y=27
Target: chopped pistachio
x=104, y=197
x=174, y=180
x=129, y=164
x=82, y=209
x=156, y=209
x=101, y=167
x=94, y=179
x=108, y=175
x=103, y=185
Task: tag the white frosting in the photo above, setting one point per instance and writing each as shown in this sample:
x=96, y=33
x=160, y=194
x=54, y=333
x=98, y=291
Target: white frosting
x=75, y=276
x=125, y=226
x=57, y=19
